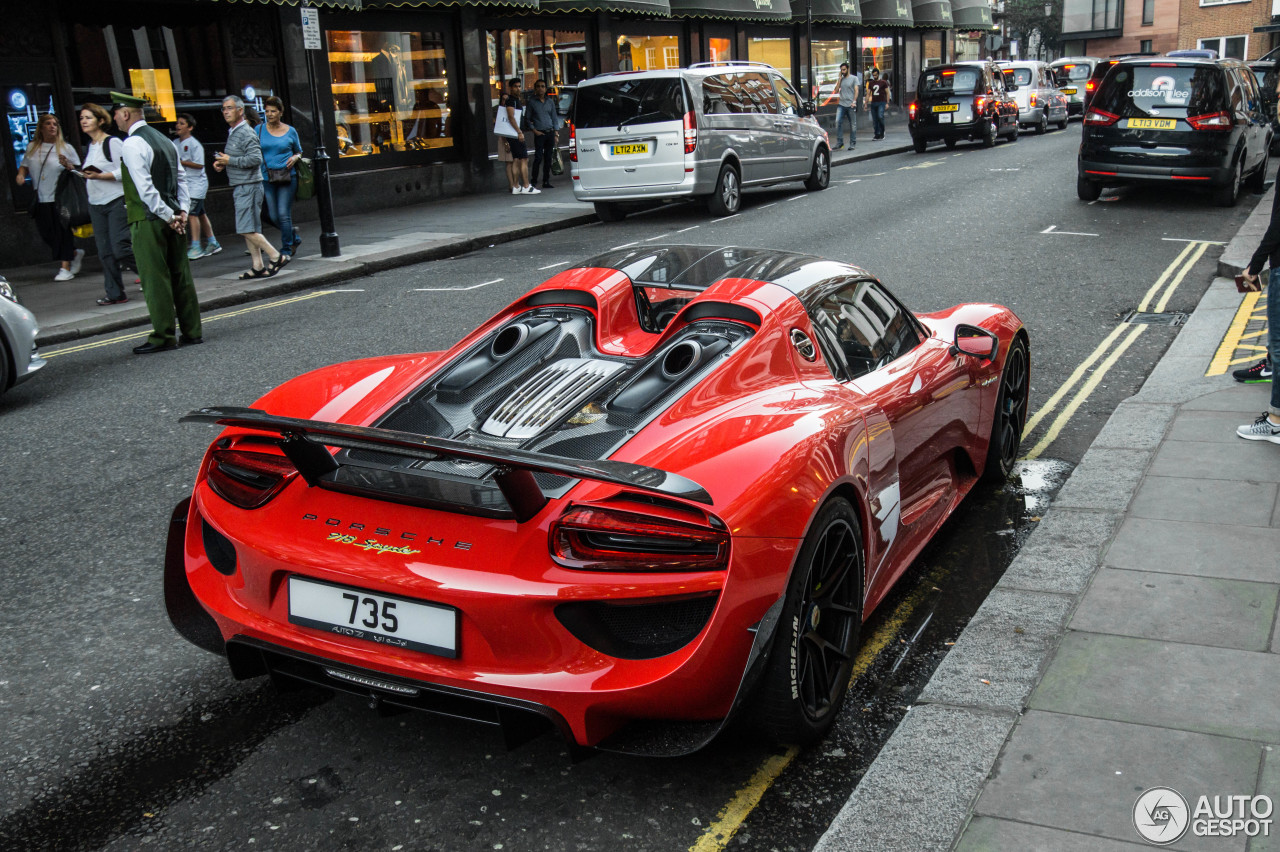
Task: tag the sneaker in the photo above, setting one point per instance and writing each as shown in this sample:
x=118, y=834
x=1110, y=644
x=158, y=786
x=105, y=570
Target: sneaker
x=195, y=253
x=1259, y=372
x=532, y=190
x=76, y=262
x=838, y=147
x=64, y=275
x=517, y=190
x=211, y=248
x=1261, y=429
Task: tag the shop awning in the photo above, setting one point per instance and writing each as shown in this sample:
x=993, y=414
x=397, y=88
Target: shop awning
x=733, y=10
x=405, y=4
x=829, y=11
x=886, y=13
x=971, y=14
x=931, y=14
x=644, y=7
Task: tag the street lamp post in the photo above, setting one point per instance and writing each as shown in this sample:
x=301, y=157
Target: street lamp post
x=320, y=163
x=808, y=40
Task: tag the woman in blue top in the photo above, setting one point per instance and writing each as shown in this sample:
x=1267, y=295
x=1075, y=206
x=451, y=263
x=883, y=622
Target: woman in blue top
x=281, y=150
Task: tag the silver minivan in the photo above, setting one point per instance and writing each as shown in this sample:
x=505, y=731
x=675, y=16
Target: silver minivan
x=1040, y=102
x=705, y=131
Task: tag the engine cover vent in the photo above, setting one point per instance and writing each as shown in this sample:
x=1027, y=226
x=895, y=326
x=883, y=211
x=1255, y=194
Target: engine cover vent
x=548, y=397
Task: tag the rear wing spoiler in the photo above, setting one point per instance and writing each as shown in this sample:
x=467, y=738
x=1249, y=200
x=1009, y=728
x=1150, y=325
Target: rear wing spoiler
x=305, y=443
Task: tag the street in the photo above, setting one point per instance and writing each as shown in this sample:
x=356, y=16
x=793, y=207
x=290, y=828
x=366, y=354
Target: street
x=119, y=733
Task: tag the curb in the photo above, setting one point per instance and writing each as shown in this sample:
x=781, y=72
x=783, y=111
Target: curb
x=938, y=761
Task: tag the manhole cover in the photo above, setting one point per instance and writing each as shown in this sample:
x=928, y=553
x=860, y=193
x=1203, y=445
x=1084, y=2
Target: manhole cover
x=1143, y=318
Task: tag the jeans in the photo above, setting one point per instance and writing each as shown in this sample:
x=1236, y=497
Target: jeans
x=279, y=203
x=877, y=119
x=851, y=113
x=115, y=248
x=1273, y=337
x=543, y=151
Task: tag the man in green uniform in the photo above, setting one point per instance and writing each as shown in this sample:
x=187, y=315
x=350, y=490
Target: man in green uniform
x=156, y=202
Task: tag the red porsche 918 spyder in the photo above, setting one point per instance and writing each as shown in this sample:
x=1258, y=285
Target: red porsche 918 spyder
x=660, y=491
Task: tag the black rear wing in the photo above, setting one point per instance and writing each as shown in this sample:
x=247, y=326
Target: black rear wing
x=305, y=442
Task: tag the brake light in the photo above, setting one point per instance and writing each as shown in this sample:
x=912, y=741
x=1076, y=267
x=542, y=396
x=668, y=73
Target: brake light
x=595, y=539
x=1033, y=99
x=979, y=104
x=690, y=132
x=249, y=480
x=1211, y=121
x=1100, y=117
x=911, y=110
x=1090, y=86
x=573, y=144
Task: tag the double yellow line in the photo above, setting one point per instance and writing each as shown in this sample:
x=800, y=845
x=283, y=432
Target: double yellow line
x=1168, y=281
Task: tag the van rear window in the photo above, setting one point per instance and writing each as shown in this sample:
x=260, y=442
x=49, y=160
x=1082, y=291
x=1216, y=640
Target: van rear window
x=619, y=103
x=1067, y=73
x=1140, y=89
x=958, y=81
x=1021, y=76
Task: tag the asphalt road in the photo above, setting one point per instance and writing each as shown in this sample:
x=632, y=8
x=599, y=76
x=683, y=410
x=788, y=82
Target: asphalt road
x=119, y=734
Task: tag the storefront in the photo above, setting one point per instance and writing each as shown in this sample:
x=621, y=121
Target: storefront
x=972, y=20
x=932, y=19
x=885, y=22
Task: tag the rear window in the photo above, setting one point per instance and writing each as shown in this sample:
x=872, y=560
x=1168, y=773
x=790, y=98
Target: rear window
x=1146, y=90
x=1020, y=76
x=1067, y=73
x=959, y=81
x=620, y=103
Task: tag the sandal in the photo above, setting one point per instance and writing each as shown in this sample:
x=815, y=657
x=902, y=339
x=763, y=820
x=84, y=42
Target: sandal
x=254, y=273
x=276, y=265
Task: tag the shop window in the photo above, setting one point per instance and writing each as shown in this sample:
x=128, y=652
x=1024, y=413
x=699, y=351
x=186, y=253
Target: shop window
x=827, y=56
x=719, y=49
x=877, y=52
x=771, y=51
x=558, y=57
x=390, y=92
x=648, y=52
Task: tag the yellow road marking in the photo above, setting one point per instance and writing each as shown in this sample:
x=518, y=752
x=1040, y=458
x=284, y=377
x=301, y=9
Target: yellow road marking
x=1222, y=358
x=84, y=347
x=729, y=820
x=1164, y=276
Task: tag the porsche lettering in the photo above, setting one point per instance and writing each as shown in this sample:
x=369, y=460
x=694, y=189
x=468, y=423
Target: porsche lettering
x=356, y=526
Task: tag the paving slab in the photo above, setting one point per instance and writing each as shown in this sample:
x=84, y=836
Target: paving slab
x=1083, y=775
x=1218, y=691
x=1136, y=426
x=1177, y=608
x=1202, y=549
x=1217, y=427
x=1231, y=396
x=1105, y=479
x=1249, y=461
x=1062, y=553
x=1269, y=785
x=987, y=834
x=1229, y=502
x=928, y=775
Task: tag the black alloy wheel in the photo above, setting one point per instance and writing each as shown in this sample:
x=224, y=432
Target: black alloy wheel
x=7, y=372
x=1087, y=190
x=820, y=175
x=950, y=142
x=727, y=198
x=920, y=144
x=1257, y=182
x=993, y=129
x=1229, y=193
x=811, y=659
x=1010, y=417
x=1042, y=127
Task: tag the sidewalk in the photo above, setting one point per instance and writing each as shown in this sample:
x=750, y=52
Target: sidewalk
x=1132, y=644
x=370, y=242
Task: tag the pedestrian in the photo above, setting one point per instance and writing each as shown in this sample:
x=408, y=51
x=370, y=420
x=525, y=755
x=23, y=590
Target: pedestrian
x=101, y=171
x=191, y=156
x=1267, y=426
x=504, y=157
x=849, y=88
x=241, y=159
x=281, y=150
x=156, y=201
x=544, y=121
x=878, y=92
x=519, y=152
x=43, y=164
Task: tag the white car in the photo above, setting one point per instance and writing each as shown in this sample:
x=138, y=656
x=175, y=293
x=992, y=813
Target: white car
x=19, y=359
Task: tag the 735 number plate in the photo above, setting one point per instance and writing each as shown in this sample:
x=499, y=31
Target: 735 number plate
x=384, y=619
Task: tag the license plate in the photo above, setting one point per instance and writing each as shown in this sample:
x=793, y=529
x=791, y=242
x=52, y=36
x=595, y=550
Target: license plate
x=1152, y=123
x=383, y=619
x=625, y=150
x=1068, y=91
x=946, y=108
x=945, y=118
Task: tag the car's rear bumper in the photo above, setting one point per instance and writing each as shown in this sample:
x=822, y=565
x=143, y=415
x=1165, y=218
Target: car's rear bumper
x=690, y=186
x=1113, y=174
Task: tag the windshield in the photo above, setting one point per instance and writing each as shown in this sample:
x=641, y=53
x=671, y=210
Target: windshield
x=629, y=102
x=960, y=81
x=1067, y=73
x=1150, y=89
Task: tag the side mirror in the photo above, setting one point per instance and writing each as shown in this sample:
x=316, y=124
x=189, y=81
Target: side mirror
x=975, y=342
x=1011, y=87
x=808, y=108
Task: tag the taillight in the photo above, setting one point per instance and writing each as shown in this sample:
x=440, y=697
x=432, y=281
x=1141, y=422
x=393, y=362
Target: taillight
x=249, y=480
x=1033, y=99
x=1090, y=86
x=979, y=104
x=1211, y=121
x=911, y=108
x=690, y=132
x=1100, y=117
x=573, y=144
x=595, y=539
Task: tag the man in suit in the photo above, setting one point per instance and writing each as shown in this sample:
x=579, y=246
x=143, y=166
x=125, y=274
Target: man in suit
x=156, y=205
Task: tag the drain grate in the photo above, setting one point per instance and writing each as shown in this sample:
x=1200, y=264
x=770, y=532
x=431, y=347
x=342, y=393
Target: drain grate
x=1143, y=318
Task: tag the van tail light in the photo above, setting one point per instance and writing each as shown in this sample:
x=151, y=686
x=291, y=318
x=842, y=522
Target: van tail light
x=590, y=538
x=573, y=143
x=690, y=132
x=1100, y=117
x=249, y=480
x=1211, y=121
x=1033, y=99
x=911, y=108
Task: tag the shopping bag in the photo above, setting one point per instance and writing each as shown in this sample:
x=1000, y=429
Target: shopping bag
x=306, y=180
x=72, y=200
x=557, y=163
x=502, y=125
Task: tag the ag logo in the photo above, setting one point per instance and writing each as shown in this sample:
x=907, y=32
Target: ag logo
x=1160, y=815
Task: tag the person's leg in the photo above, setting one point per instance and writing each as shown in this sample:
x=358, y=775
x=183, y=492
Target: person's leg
x=840, y=114
x=853, y=125
x=1273, y=339
x=182, y=293
x=267, y=252
x=149, y=247
x=100, y=217
x=211, y=244
x=537, y=158
x=121, y=240
x=270, y=193
x=284, y=213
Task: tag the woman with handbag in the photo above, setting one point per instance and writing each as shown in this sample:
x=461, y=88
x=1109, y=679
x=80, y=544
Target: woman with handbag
x=42, y=164
x=106, y=201
x=281, y=150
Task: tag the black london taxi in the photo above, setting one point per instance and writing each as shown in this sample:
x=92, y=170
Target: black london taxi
x=964, y=100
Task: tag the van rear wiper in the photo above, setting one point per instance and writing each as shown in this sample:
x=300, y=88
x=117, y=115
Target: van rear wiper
x=644, y=116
